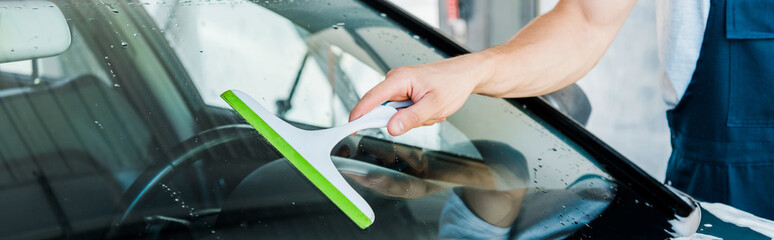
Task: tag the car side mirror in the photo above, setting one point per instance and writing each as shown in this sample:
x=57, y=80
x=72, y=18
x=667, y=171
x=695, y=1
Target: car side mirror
x=31, y=29
x=571, y=101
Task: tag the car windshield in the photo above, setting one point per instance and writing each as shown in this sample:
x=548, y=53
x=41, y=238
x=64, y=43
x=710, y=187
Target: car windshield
x=124, y=135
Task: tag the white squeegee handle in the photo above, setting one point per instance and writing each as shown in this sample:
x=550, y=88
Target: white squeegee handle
x=376, y=118
x=401, y=104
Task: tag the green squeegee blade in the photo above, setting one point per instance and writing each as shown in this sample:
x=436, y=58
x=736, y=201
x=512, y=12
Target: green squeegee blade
x=303, y=166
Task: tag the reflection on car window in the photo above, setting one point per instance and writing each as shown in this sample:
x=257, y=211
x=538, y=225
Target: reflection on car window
x=125, y=135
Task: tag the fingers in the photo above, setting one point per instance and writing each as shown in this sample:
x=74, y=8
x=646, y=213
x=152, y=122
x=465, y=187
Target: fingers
x=393, y=88
x=402, y=84
x=422, y=113
x=433, y=121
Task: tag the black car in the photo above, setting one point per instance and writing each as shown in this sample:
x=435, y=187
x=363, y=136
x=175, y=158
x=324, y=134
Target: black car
x=111, y=127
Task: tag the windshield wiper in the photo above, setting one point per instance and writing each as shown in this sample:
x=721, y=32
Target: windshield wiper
x=284, y=105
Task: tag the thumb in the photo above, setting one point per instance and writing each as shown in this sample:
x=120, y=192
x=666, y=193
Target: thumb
x=411, y=117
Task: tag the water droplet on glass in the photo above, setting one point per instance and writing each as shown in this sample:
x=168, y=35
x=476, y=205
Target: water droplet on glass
x=116, y=85
x=36, y=81
x=177, y=199
x=415, y=36
x=124, y=44
x=213, y=231
x=383, y=14
x=111, y=8
x=708, y=225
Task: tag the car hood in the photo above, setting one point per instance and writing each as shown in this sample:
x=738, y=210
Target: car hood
x=721, y=221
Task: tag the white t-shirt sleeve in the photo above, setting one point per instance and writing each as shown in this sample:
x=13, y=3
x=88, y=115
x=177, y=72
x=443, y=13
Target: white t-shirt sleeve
x=458, y=222
x=680, y=31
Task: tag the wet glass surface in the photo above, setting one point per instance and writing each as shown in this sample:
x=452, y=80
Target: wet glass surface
x=124, y=135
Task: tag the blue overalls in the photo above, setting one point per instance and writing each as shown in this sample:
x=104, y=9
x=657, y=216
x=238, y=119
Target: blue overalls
x=723, y=127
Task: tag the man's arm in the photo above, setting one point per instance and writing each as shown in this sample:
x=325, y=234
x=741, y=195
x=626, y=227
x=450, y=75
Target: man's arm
x=553, y=51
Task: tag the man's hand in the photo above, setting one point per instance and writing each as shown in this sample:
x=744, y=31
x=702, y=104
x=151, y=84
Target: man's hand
x=437, y=89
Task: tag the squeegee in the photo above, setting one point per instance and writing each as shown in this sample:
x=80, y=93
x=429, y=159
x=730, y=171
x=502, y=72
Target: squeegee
x=309, y=150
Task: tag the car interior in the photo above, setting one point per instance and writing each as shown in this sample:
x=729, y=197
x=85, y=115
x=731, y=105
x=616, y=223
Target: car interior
x=114, y=138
